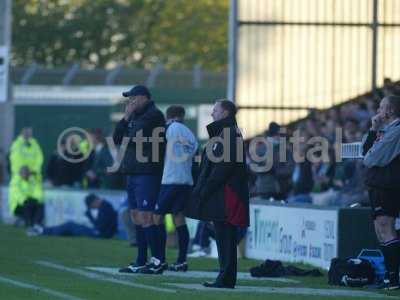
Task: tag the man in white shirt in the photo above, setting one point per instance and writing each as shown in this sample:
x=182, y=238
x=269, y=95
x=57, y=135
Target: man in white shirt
x=176, y=183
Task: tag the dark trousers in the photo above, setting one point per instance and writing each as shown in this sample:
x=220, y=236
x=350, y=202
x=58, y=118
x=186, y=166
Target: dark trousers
x=70, y=229
x=32, y=212
x=204, y=232
x=226, y=237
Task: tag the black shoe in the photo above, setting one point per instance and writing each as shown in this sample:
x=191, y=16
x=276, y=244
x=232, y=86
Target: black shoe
x=132, y=268
x=164, y=266
x=391, y=282
x=387, y=285
x=154, y=267
x=217, y=285
x=179, y=267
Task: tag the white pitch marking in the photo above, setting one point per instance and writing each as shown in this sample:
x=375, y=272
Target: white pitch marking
x=38, y=288
x=286, y=291
x=194, y=274
x=95, y=276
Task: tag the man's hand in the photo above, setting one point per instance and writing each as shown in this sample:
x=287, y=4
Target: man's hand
x=91, y=175
x=130, y=109
x=377, y=122
x=88, y=213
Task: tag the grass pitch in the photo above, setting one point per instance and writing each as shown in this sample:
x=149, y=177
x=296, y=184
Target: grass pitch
x=57, y=268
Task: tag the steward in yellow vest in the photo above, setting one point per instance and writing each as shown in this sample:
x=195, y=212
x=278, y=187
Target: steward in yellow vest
x=25, y=197
x=25, y=151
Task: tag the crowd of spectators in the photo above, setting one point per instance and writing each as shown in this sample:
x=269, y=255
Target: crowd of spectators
x=327, y=182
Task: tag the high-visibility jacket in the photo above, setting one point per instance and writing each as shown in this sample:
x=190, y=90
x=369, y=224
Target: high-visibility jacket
x=21, y=189
x=26, y=154
x=84, y=146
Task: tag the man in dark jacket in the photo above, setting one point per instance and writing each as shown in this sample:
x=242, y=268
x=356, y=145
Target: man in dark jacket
x=221, y=193
x=141, y=131
x=382, y=159
x=64, y=172
x=104, y=225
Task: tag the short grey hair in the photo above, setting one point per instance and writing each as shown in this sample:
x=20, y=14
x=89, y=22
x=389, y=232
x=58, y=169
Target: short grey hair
x=228, y=106
x=394, y=102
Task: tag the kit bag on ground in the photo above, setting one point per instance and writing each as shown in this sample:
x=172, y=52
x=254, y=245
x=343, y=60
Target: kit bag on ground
x=269, y=268
x=351, y=272
x=275, y=268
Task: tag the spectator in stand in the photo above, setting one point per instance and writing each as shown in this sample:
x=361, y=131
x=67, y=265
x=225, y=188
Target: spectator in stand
x=328, y=130
x=362, y=114
x=311, y=126
x=104, y=225
x=334, y=116
x=349, y=184
x=98, y=161
x=302, y=178
x=372, y=106
x=323, y=173
x=276, y=182
x=390, y=88
x=62, y=169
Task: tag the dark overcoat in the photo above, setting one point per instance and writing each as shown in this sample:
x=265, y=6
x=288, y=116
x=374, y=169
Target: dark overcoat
x=221, y=192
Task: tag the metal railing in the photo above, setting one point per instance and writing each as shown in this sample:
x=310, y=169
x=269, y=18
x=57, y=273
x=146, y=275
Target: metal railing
x=157, y=77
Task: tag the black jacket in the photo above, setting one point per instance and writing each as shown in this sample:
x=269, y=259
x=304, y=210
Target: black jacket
x=146, y=120
x=221, y=192
x=106, y=222
x=62, y=172
x=381, y=177
x=305, y=183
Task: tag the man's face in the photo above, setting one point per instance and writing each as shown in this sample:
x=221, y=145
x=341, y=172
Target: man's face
x=95, y=204
x=139, y=100
x=218, y=112
x=27, y=133
x=384, y=109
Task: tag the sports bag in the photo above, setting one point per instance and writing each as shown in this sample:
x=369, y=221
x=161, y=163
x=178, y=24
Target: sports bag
x=351, y=272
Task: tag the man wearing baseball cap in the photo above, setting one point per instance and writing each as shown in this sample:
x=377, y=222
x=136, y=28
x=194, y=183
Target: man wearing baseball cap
x=143, y=167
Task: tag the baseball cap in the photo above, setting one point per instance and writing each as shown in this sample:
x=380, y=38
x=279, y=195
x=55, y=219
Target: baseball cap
x=137, y=90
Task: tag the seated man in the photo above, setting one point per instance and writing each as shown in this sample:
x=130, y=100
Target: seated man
x=104, y=226
x=26, y=197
